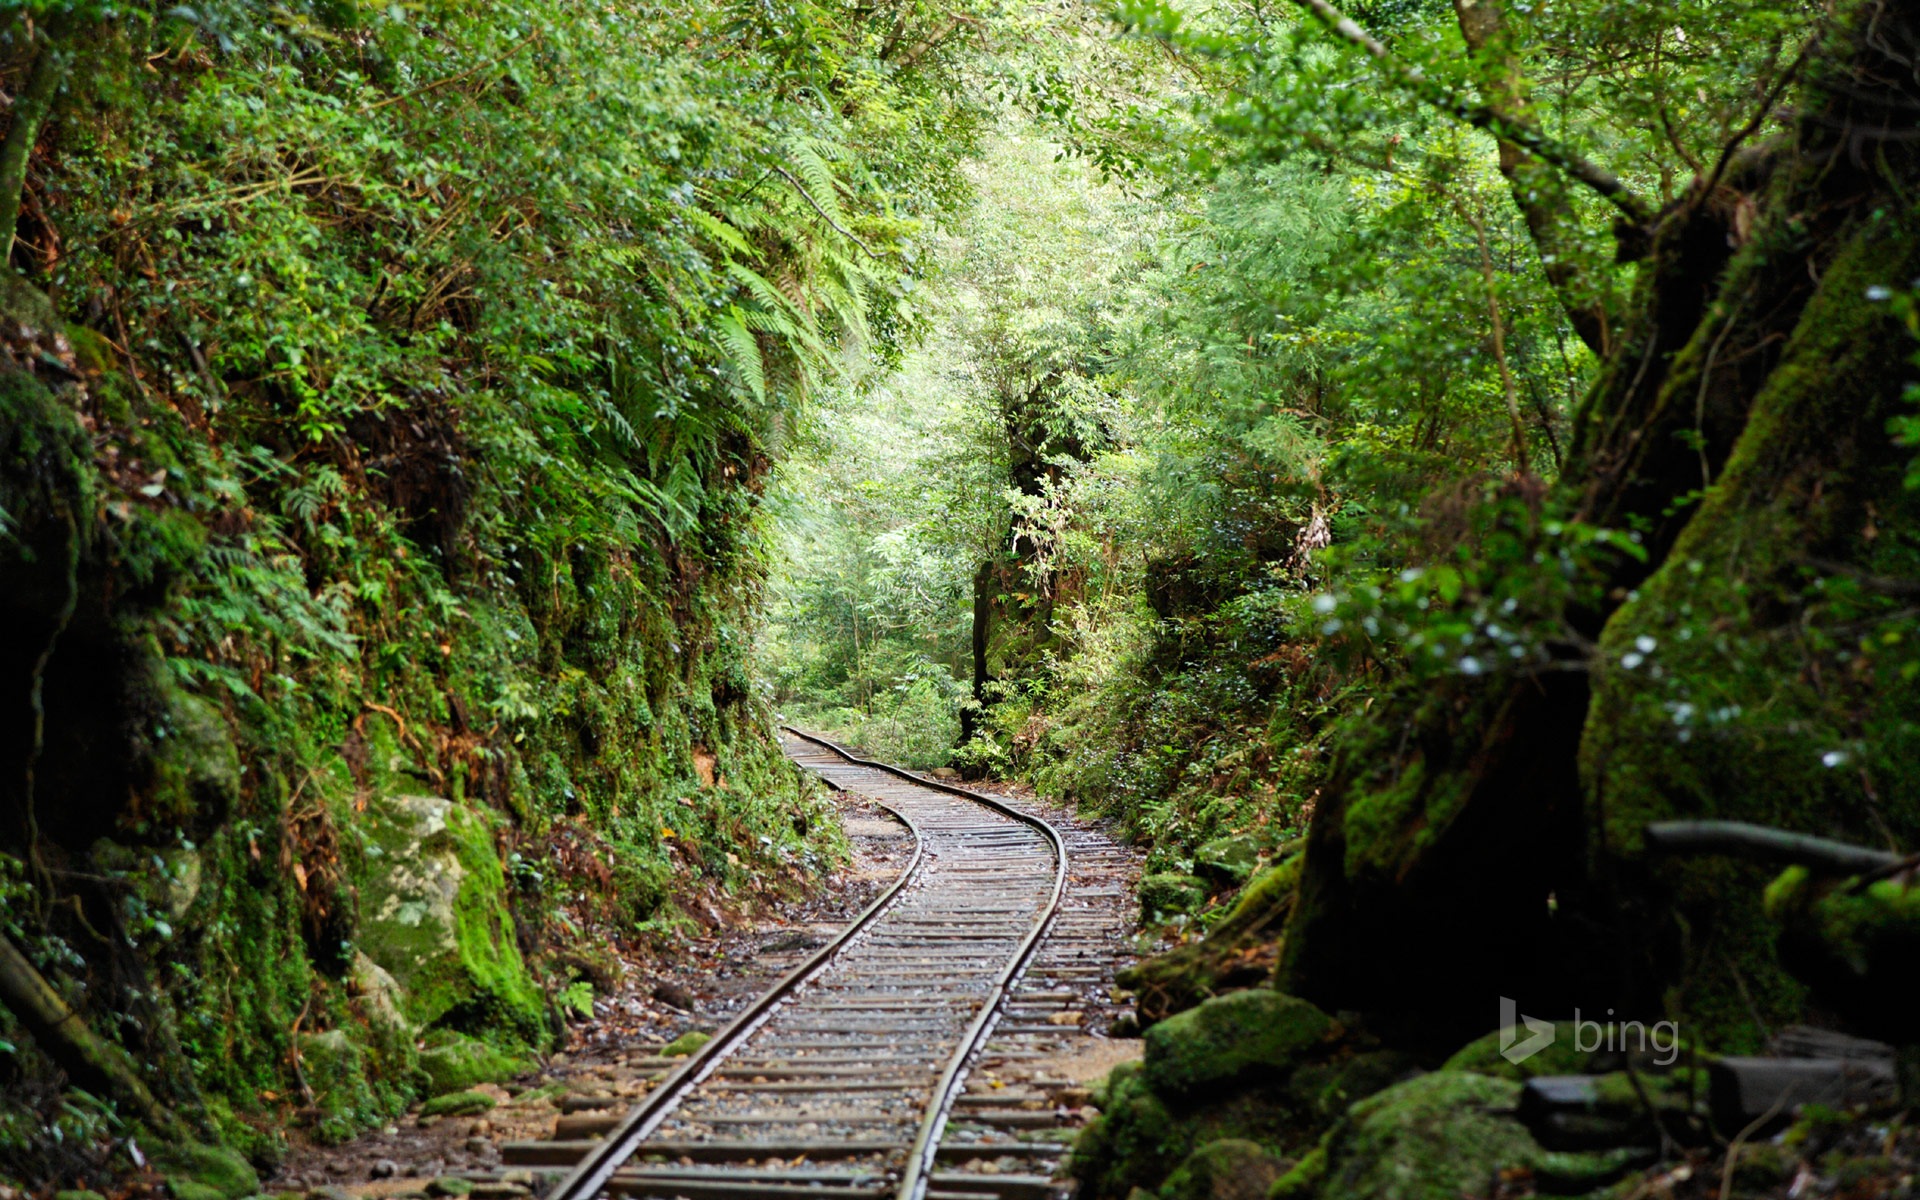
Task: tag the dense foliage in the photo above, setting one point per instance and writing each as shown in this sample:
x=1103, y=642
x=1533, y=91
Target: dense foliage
x=1440, y=463
x=391, y=400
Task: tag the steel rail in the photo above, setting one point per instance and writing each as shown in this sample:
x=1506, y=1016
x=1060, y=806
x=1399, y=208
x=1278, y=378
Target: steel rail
x=926, y=1146
x=594, y=1171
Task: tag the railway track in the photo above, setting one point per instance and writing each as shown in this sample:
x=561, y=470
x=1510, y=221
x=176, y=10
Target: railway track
x=906, y=1059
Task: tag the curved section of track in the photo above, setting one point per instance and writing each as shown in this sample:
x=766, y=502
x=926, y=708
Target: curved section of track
x=839, y=1080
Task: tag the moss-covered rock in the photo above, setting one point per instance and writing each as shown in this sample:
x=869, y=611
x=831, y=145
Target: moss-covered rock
x=1444, y=1135
x=335, y=1068
x=1134, y=1142
x=434, y=915
x=378, y=996
x=686, y=1043
x=1228, y=1169
x=1230, y=1038
x=196, y=768
x=1323, y=1091
x=1169, y=894
x=1484, y=1056
x=200, y=1165
x=1304, y=1179
x=457, y=1104
x=1854, y=945
x=454, y=1062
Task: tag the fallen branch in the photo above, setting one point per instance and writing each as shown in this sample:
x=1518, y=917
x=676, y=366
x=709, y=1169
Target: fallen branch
x=74, y=1047
x=1761, y=843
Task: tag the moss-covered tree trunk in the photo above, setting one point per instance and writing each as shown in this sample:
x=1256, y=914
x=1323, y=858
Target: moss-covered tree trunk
x=1485, y=832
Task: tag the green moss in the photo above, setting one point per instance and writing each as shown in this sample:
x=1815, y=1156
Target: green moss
x=214, y=1167
x=1483, y=1057
x=1230, y=1038
x=1445, y=1135
x=196, y=767
x=1325, y=1090
x=1134, y=1142
x=92, y=352
x=1853, y=944
x=457, y=1104
x=1304, y=1179
x=686, y=1043
x=1169, y=894
x=1227, y=1169
x=454, y=1062
x=335, y=1068
x=434, y=916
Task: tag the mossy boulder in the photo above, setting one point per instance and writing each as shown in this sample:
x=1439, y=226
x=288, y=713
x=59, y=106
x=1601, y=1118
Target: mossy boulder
x=1228, y=1169
x=454, y=1062
x=434, y=916
x=1303, y=1179
x=1227, y=861
x=1169, y=894
x=377, y=995
x=1231, y=1038
x=196, y=1165
x=1444, y=1135
x=1484, y=1055
x=1323, y=1091
x=196, y=768
x=457, y=1104
x=1855, y=946
x=1134, y=1142
x=335, y=1068
x=686, y=1043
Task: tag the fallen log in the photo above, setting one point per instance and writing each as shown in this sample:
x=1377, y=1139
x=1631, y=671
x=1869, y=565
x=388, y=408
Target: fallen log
x=88, y=1060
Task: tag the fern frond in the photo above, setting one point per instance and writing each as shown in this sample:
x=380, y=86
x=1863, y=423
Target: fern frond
x=743, y=350
x=812, y=168
x=721, y=232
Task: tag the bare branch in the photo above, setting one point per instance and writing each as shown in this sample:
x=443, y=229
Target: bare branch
x=1764, y=844
x=808, y=197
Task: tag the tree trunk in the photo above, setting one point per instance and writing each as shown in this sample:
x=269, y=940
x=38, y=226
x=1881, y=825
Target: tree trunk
x=1489, y=829
x=30, y=109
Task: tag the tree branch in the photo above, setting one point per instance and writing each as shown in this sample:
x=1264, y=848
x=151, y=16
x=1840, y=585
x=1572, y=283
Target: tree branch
x=30, y=109
x=808, y=197
x=1500, y=124
x=1764, y=844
